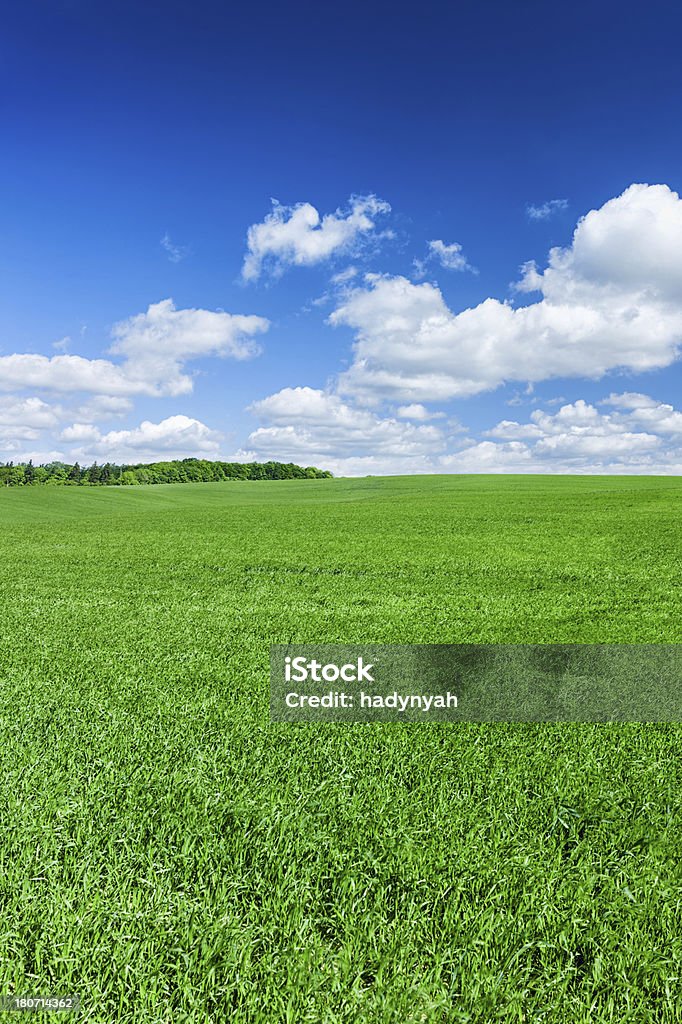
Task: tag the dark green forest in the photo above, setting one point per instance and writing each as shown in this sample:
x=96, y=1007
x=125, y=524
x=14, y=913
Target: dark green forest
x=175, y=472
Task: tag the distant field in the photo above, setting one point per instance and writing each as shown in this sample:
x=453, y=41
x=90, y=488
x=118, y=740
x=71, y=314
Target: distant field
x=171, y=856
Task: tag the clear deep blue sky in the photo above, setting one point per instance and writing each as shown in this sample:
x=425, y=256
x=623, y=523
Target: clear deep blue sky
x=124, y=123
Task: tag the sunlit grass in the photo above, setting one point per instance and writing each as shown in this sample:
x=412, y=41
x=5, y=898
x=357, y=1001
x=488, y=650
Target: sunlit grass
x=169, y=855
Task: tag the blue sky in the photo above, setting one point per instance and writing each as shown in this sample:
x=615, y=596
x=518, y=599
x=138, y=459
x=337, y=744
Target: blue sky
x=447, y=148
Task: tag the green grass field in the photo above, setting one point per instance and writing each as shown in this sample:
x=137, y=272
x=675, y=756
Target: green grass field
x=171, y=856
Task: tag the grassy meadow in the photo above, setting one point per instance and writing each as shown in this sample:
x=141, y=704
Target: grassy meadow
x=171, y=856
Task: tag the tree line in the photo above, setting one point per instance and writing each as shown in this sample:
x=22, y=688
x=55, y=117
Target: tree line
x=178, y=471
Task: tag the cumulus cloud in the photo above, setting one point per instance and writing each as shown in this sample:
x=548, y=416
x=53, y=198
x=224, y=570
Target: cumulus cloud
x=313, y=426
x=510, y=430
x=103, y=406
x=611, y=300
x=12, y=438
x=647, y=412
x=416, y=411
x=631, y=245
x=631, y=400
x=27, y=412
x=158, y=343
x=488, y=457
x=80, y=432
x=38, y=456
x=545, y=210
x=24, y=420
x=65, y=373
x=310, y=425
x=579, y=439
x=298, y=236
x=155, y=347
x=176, y=437
x=641, y=435
x=450, y=257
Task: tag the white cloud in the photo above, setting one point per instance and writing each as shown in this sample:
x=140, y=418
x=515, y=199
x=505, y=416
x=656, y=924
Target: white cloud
x=647, y=412
x=312, y=426
x=102, y=406
x=65, y=373
x=23, y=420
x=630, y=400
x=545, y=210
x=38, y=456
x=510, y=430
x=632, y=245
x=176, y=437
x=642, y=436
x=416, y=411
x=157, y=343
x=11, y=438
x=80, y=432
x=596, y=445
x=345, y=275
x=27, y=412
x=176, y=253
x=155, y=346
x=450, y=257
x=298, y=236
x=488, y=457
x=611, y=300
x=580, y=438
